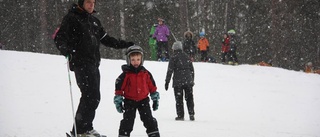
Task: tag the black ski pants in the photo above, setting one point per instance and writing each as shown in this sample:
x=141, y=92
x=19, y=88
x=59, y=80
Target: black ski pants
x=204, y=55
x=225, y=55
x=162, y=46
x=233, y=54
x=186, y=90
x=88, y=80
x=129, y=115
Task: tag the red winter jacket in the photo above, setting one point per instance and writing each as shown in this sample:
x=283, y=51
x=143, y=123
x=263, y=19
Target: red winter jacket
x=135, y=83
x=225, y=45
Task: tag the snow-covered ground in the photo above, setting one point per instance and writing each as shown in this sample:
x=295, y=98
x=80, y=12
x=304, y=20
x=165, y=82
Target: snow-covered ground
x=230, y=101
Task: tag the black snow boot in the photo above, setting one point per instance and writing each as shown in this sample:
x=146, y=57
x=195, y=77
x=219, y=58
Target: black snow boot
x=180, y=118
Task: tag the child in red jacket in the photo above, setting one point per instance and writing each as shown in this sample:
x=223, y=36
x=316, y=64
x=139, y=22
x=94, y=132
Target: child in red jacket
x=225, y=48
x=132, y=88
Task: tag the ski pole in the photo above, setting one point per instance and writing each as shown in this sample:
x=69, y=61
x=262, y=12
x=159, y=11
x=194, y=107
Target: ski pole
x=73, y=114
x=174, y=36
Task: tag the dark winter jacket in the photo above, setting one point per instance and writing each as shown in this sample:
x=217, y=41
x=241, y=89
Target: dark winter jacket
x=80, y=35
x=135, y=83
x=182, y=68
x=233, y=42
x=189, y=46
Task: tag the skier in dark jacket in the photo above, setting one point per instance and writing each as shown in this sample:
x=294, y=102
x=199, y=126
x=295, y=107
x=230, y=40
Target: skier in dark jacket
x=133, y=86
x=183, y=80
x=233, y=48
x=189, y=46
x=79, y=40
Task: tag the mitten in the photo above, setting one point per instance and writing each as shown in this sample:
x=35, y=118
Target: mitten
x=129, y=44
x=155, y=97
x=155, y=105
x=64, y=50
x=166, y=86
x=118, y=102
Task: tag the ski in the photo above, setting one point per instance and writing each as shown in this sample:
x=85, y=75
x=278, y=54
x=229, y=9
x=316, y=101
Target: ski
x=68, y=135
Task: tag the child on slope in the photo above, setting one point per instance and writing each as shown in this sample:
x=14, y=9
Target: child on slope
x=132, y=88
x=203, y=47
x=180, y=65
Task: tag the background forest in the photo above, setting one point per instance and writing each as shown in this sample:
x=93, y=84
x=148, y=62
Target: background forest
x=286, y=32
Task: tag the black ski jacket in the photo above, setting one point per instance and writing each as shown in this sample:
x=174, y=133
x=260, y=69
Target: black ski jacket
x=80, y=35
x=182, y=68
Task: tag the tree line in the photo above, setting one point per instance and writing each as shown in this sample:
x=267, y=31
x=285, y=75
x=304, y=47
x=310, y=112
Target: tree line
x=285, y=32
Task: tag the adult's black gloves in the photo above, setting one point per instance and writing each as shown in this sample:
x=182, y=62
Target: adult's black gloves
x=166, y=86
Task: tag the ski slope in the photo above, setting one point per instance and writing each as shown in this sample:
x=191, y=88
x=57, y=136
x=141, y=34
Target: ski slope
x=230, y=101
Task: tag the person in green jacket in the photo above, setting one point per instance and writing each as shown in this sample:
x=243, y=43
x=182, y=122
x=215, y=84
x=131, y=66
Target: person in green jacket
x=153, y=43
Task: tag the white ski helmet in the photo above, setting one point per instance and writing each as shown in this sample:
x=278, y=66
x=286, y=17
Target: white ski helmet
x=134, y=49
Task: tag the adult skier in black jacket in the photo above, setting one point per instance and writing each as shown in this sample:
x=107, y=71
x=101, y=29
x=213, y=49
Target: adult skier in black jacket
x=79, y=40
x=181, y=66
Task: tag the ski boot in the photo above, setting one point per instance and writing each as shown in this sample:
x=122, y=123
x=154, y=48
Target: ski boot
x=180, y=118
x=91, y=133
x=191, y=117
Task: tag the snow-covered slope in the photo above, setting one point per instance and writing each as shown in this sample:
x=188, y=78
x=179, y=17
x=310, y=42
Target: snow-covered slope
x=230, y=101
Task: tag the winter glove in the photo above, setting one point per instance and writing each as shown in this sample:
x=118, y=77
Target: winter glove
x=155, y=105
x=118, y=102
x=129, y=44
x=155, y=98
x=166, y=86
x=64, y=50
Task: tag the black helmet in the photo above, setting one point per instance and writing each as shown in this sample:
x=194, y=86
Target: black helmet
x=134, y=49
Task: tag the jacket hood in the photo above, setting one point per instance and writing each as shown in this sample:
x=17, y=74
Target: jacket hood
x=188, y=32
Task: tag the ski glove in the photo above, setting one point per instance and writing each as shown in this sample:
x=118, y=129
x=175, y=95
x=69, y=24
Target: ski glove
x=118, y=102
x=166, y=86
x=129, y=44
x=64, y=50
x=155, y=105
x=155, y=98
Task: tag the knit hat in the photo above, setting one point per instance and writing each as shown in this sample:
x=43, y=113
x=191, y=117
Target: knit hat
x=232, y=31
x=202, y=34
x=309, y=64
x=177, y=45
x=161, y=19
x=80, y=3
